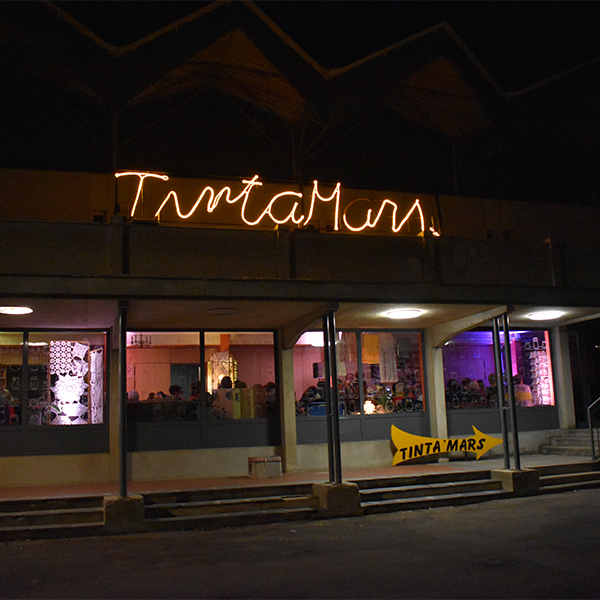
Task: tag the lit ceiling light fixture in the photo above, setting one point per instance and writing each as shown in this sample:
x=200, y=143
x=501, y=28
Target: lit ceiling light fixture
x=545, y=315
x=15, y=310
x=404, y=313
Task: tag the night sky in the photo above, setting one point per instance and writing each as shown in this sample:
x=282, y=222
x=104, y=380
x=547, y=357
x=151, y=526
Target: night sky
x=519, y=43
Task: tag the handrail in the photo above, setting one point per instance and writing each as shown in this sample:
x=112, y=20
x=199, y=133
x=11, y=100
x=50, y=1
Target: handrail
x=593, y=408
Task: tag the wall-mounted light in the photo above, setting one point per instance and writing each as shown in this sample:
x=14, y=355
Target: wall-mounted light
x=15, y=310
x=404, y=313
x=545, y=315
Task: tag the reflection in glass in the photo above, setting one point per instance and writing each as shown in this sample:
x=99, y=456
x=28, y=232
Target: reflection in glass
x=11, y=378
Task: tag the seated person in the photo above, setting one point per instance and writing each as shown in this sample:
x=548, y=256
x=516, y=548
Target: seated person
x=133, y=396
x=176, y=393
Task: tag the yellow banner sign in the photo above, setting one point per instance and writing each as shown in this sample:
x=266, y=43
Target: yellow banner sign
x=409, y=446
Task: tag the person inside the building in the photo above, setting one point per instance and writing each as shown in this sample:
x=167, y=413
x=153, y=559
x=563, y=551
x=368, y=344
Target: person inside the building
x=6, y=403
x=522, y=392
x=176, y=393
x=133, y=396
x=491, y=391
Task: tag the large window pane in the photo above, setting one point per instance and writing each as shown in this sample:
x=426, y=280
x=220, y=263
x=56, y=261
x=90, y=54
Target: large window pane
x=240, y=375
x=11, y=378
x=391, y=373
x=309, y=374
x=66, y=378
x=470, y=373
x=163, y=376
x=392, y=370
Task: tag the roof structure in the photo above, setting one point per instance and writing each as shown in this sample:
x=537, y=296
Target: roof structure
x=225, y=92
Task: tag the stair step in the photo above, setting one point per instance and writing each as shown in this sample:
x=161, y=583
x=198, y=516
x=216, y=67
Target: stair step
x=230, y=505
x=433, y=489
x=568, y=478
x=576, y=467
x=570, y=487
x=34, y=518
x=213, y=494
x=233, y=519
x=56, y=530
x=570, y=441
x=432, y=501
x=566, y=450
x=423, y=479
x=27, y=505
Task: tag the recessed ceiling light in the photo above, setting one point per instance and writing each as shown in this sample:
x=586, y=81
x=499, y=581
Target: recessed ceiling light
x=545, y=315
x=404, y=313
x=15, y=310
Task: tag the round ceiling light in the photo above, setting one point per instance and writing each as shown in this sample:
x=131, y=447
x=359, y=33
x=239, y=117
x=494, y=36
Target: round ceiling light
x=545, y=315
x=404, y=313
x=15, y=310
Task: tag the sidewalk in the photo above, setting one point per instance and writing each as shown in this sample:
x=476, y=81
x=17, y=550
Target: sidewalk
x=139, y=487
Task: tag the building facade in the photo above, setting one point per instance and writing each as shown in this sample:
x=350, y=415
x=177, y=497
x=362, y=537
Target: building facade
x=142, y=278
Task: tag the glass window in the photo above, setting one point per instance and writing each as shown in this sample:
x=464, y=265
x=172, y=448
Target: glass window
x=163, y=376
x=390, y=373
x=11, y=378
x=392, y=370
x=240, y=375
x=470, y=374
x=66, y=378
x=309, y=374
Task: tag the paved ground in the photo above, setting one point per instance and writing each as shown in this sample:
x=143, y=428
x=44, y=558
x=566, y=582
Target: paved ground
x=535, y=547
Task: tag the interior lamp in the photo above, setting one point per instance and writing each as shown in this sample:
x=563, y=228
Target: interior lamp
x=404, y=313
x=545, y=315
x=15, y=310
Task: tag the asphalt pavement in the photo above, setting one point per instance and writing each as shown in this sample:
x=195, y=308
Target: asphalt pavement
x=535, y=547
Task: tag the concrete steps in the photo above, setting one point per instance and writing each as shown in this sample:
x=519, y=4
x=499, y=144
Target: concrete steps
x=427, y=491
x=63, y=517
x=572, y=442
x=236, y=507
x=211, y=509
x=564, y=478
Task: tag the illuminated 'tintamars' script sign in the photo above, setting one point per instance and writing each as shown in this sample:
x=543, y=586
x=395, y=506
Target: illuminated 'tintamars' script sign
x=287, y=207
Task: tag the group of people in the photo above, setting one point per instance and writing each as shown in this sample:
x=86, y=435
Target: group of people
x=175, y=395
x=473, y=392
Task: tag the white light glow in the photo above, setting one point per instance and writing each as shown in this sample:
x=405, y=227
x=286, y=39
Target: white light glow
x=545, y=315
x=15, y=310
x=312, y=338
x=404, y=313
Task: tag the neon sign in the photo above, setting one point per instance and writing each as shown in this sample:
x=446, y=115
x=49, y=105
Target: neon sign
x=367, y=219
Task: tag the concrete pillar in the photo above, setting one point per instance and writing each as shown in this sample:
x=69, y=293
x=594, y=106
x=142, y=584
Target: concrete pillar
x=436, y=392
x=563, y=383
x=112, y=397
x=124, y=515
x=288, y=413
x=523, y=482
x=338, y=499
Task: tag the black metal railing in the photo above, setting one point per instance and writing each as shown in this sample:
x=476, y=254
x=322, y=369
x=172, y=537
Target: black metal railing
x=594, y=421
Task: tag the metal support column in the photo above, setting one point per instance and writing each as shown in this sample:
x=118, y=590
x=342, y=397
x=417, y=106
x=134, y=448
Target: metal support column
x=500, y=390
x=511, y=392
x=123, y=306
x=335, y=403
x=328, y=411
